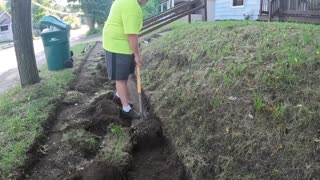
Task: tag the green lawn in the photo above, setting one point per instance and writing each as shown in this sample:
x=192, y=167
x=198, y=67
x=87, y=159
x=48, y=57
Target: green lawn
x=77, y=49
x=23, y=110
x=3, y=43
x=241, y=97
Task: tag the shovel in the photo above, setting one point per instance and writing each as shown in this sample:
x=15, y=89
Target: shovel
x=139, y=92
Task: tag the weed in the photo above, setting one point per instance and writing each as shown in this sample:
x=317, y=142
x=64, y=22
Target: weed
x=117, y=130
x=258, y=104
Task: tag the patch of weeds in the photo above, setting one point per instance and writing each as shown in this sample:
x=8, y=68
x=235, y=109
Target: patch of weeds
x=82, y=140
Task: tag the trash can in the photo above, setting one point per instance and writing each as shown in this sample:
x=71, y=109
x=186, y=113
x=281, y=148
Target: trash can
x=56, y=42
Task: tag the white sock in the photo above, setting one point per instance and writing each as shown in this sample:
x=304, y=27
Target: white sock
x=126, y=108
x=117, y=95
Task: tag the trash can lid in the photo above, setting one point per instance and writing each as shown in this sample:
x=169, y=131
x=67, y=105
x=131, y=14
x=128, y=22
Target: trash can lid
x=53, y=21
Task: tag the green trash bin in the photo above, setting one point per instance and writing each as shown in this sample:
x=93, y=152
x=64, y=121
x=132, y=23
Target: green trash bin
x=56, y=42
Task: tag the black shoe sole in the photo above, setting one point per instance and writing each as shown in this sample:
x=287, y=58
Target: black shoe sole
x=123, y=116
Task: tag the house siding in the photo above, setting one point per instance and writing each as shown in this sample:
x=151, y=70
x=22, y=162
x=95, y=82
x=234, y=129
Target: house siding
x=211, y=6
x=6, y=35
x=225, y=11
x=5, y=20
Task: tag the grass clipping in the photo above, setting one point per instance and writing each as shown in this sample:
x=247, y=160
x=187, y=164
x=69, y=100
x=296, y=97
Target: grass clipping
x=239, y=99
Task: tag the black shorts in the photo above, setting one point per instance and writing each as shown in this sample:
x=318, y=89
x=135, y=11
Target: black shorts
x=119, y=66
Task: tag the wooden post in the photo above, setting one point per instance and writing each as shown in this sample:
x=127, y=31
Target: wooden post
x=270, y=10
x=189, y=18
x=261, y=5
x=289, y=5
x=205, y=10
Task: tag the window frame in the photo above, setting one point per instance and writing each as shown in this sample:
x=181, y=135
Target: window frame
x=1, y=26
x=241, y=6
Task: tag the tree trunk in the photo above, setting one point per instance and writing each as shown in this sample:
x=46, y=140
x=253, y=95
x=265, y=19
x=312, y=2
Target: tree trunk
x=23, y=42
x=91, y=22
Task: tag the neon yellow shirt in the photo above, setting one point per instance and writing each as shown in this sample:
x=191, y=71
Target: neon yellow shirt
x=125, y=18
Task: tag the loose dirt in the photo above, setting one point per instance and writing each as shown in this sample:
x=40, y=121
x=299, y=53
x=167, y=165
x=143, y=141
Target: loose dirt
x=80, y=128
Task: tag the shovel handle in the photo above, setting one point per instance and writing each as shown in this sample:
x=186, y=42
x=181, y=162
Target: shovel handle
x=138, y=80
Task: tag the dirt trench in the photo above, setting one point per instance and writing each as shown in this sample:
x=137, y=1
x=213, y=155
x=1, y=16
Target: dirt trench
x=83, y=119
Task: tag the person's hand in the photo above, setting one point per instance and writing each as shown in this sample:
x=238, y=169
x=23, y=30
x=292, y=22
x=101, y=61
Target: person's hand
x=137, y=59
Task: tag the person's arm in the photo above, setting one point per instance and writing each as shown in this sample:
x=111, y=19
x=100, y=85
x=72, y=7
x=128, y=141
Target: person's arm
x=134, y=45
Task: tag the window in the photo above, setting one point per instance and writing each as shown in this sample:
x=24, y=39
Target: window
x=4, y=28
x=236, y=3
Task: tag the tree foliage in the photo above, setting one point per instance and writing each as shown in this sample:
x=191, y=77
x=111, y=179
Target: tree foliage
x=3, y=6
x=96, y=11
x=37, y=12
x=151, y=8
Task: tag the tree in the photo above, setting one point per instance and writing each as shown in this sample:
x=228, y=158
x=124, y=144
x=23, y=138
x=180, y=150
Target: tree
x=96, y=11
x=3, y=6
x=8, y=6
x=23, y=42
x=37, y=12
x=151, y=8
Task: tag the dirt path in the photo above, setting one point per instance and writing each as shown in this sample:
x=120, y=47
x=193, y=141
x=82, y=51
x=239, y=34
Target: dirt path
x=74, y=141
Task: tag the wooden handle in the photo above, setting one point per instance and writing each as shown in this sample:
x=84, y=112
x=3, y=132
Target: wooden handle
x=138, y=80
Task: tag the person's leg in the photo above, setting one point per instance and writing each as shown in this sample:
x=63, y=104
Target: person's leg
x=122, y=90
x=122, y=68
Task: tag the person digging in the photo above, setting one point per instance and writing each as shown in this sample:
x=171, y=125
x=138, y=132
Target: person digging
x=120, y=41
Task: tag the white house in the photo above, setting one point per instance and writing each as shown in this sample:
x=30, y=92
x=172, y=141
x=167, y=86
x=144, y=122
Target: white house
x=222, y=9
x=233, y=9
x=5, y=27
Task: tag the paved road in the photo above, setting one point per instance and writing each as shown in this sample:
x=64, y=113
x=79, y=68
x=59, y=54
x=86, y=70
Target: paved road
x=9, y=75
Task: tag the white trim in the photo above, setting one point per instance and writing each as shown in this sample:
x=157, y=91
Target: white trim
x=236, y=7
x=5, y=12
x=8, y=14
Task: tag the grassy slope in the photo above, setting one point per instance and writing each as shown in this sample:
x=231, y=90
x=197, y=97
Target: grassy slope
x=23, y=110
x=240, y=99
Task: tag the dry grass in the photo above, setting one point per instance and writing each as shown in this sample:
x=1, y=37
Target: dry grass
x=240, y=99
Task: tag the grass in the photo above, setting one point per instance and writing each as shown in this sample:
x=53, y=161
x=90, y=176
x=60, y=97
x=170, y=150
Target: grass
x=258, y=104
x=82, y=140
x=3, y=43
x=78, y=49
x=245, y=96
x=116, y=147
x=22, y=111
x=97, y=32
